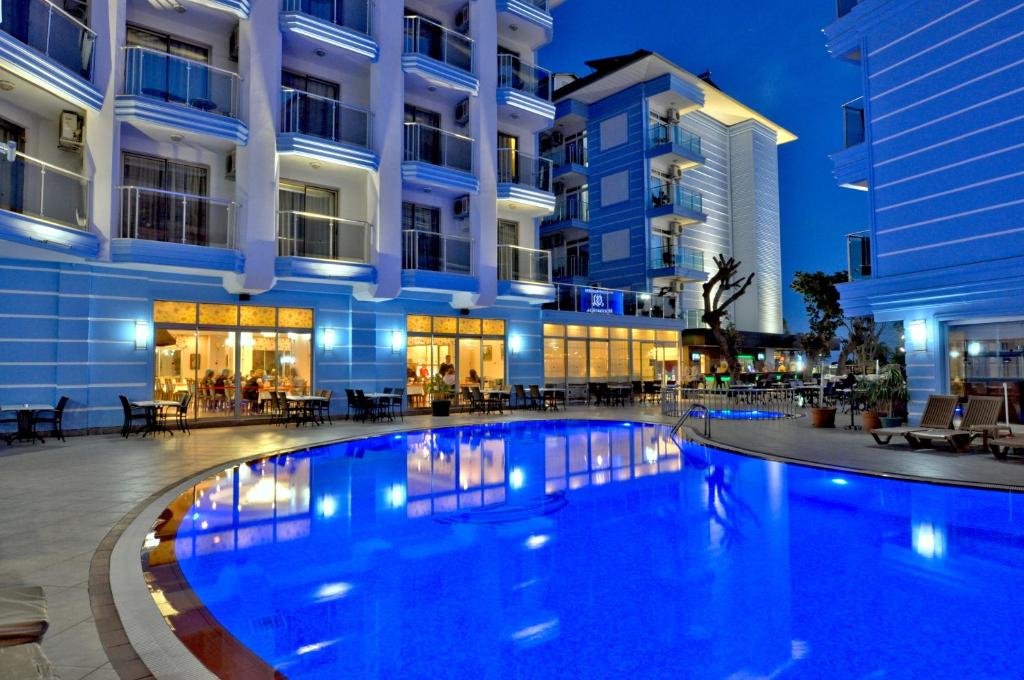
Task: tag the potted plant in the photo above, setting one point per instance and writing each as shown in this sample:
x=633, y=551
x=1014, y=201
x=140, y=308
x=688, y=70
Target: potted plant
x=440, y=396
x=884, y=392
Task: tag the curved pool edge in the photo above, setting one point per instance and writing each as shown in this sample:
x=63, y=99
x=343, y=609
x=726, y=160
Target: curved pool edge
x=157, y=647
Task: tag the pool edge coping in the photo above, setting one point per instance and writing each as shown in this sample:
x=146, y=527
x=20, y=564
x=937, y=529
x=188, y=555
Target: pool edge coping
x=136, y=637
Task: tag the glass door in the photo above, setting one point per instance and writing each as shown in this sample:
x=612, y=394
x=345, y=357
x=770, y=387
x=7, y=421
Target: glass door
x=214, y=364
x=470, y=363
x=307, y=235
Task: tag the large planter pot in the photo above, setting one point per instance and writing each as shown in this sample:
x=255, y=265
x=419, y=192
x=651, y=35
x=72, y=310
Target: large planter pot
x=441, y=407
x=823, y=417
x=891, y=422
x=870, y=421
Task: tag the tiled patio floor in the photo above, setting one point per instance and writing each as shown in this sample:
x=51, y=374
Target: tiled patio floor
x=59, y=500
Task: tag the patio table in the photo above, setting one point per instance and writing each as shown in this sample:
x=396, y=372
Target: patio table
x=152, y=407
x=26, y=421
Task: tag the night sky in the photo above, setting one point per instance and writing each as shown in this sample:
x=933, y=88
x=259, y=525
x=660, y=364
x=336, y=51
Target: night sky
x=770, y=56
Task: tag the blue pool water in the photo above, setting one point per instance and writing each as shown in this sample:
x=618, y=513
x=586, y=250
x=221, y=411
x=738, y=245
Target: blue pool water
x=579, y=549
x=739, y=414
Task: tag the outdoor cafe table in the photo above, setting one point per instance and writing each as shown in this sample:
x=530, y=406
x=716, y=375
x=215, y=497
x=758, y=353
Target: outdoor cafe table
x=306, y=412
x=152, y=407
x=26, y=421
x=554, y=392
x=497, y=397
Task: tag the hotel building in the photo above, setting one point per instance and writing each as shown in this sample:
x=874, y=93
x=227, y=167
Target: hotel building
x=936, y=139
x=348, y=194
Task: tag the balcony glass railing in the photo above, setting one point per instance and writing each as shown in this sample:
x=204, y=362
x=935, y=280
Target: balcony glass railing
x=312, y=114
x=353, y=14
x=33, y=187
x=853, y=122
x=173, y=217
x=423, y=36
x=516, y=74
x=569, y=208
x=858, y=255
x=676, y=256
x=574, y=298
x=516, y=263
x=664, y=133
x=574, y=152
x=431, y=145
x=303, y=234
x=667, y=193
x=170, y=78
x=516, y=167
x=48, y=28
x=569, y=266
x=843, y=7
x=427, y=251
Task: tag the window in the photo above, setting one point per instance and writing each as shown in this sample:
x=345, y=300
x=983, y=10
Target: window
x=473, y=350
x=300, y=231
x=155, y=205
x=169, y=77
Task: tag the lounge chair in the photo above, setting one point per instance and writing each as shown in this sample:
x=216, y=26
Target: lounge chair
x=980, y=417
x=938, y=415
x=23, y=618
x=26, y=662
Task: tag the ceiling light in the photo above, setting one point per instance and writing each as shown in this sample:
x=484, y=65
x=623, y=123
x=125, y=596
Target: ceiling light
x=6, y=85
x=319, y=52
x=513, y=27
x=176, y=138
x=315, y=165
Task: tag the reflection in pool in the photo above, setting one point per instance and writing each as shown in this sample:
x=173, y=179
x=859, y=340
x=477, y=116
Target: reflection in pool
x=586, y=549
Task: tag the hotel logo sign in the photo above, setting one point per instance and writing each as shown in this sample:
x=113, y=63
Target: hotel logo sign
x=600, y=301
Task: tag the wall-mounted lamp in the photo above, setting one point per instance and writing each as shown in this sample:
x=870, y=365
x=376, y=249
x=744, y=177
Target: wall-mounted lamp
x=330, y=339
x=918, y=334
x=515, y=343
x=397, y=341
x=141, y=335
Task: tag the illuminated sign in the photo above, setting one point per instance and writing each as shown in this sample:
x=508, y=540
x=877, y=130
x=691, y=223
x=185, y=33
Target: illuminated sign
x=601, y=301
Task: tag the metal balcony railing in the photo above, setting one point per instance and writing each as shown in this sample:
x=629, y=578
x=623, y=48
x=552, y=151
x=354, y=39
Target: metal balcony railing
x=666, y=133
x=353, y=14
x=29, y=186
x=50, y=29
x=516, y=263
x=174, y=217
x=516, y=167
x=304, y=234
x=170, y=78
x=574, y=152
x=569, y=208
x=853, y=122
x=671, y=255
x=573, y=298
x=312, y=114
x=423, y=36
x=668, y=193
x=858, y=255
x=432, y=145
x=428, y=251
x=569, y=266
x=516, y=74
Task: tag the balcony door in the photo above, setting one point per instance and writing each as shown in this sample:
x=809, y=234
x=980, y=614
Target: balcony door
x=167, y=77
x=508, y=162
x=430, y=39
x=304, y=234
x=317, y=114
x=421, y=225
x=426, y=141
x=508, y=262
x=12, y=175
x=162, y=200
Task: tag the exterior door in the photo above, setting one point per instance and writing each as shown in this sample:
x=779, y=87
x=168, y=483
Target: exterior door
x=427, y=140
x=304, y=233
x=170, y=211
x=508, y=262
x=421, y=226
x=508, y=161
x=165, y=77
x=316, y=114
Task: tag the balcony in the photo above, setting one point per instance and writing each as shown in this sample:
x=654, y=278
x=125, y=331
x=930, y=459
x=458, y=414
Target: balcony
x=342, y=26
x=524, y=183
x=592, y=300
x=326, y=130
x=439, y=57
x=524, y=92
x=570, y=161
x=530, y=21
x=323, y=246
x=524, y=273
x=676, y=203
x=203, y=99
x=571, y=212
x=677, y=262
x=850, y=166
x=46, y=45
x=565, y=266
x=681, y=148
x=437, y=262
x=44, y=206
x=173, y=228
x=440, y=159
x=858, y=255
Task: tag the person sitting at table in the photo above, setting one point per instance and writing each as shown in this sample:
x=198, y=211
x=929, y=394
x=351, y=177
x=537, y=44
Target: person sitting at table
x=474, y=377
x=449, y=377
x=298, y=383
x=442, y=370
x=251, y=391
x=220, y=383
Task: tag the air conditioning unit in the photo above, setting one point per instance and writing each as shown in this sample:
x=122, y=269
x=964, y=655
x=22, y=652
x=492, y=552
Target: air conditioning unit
x=675, y=228
x=69, y=131
x=460, y=208
x=462, y=20
x=233, y=44
x=677, y=286
x=676, y=171
x=229, y=166
x=672, y=115
x=462, y=113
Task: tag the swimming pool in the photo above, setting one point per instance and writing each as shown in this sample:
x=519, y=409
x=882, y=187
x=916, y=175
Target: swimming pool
x=738, y=414
x=586, y=549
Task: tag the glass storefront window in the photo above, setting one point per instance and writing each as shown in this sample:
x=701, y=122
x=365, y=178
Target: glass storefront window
x=494, y=327
x=598, y=332
x=576, y=356
x=983, y=357
x=619, y=365
x=258, y=316
x=470, y=364
x=218, y=315
x=554, y=360
x=417, y=324
x=445, y=325
x=555, y=329
x=494, y=363
x=470, y=326
x=598, y=361
x=295, y=362
x=576, y=331
x=174, y=312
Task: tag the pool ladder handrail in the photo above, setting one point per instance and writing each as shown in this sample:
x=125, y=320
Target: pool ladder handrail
x=683, y=418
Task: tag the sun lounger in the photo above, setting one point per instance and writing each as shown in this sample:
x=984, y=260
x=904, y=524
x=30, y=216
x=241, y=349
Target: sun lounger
x=22, y=615
x=25, y=662
x=1001, y=447
x=938, y=414
x=980, y=417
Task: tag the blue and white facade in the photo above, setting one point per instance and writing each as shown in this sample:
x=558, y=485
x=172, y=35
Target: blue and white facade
x=936, y=142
